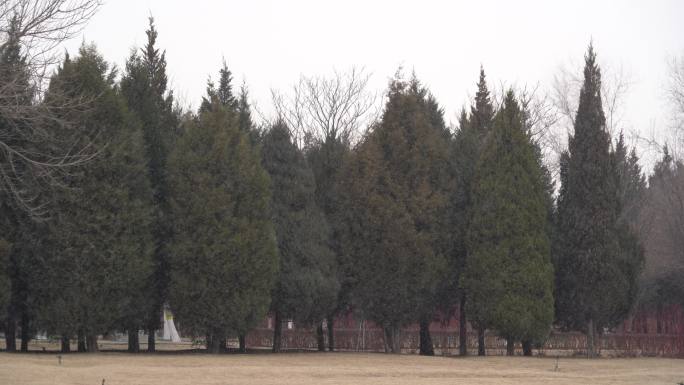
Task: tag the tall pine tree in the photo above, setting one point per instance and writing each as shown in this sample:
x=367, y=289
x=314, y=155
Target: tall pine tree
x=223, y=256
x=326, y=158
x=306, y=289
x=17, y=187
x=594, y=272
x=467, y=147
x=98, y=247
x=394, y=211
x=509, y=276
x=144, y=86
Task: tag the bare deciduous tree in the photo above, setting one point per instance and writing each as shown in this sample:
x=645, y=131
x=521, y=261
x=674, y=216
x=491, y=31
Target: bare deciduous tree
x=322, y=108
x=35, y=148
x=674, y=93
x=671, y=135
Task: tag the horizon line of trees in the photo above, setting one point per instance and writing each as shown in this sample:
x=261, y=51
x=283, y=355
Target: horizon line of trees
x=224, y=220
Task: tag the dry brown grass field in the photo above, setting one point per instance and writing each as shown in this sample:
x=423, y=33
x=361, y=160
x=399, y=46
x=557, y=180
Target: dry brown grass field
x=327, y=368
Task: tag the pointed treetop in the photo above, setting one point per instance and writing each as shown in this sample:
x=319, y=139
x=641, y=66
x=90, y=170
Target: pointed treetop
x=244, y=114
x=590, y=109
x=592, y=71
x=150, y=51
x=225, y=89
x=511, y=112
x=482, y=112
x=223, y=95
x=155, y=62
x=397, y=84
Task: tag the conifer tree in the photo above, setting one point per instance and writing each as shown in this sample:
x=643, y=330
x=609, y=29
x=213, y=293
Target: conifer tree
x=144, y=85
x=631, y=190
x=4, y=279
x=223, y=256
x=508, y=276
x=326, y=158
x=307, y=286
x=594, y=272
x=631, y=181
x=15, y=189
x=97, y=252
x=661, y=216
x=467, y=148
x=394, y=211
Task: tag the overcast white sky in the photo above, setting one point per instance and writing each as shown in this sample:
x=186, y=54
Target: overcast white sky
x=270, y=43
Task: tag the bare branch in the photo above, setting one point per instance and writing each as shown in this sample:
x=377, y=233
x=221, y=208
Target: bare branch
x=324, y=108
x=36, y=145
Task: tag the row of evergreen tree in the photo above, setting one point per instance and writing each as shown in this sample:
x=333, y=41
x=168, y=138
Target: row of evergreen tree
x=225, y=221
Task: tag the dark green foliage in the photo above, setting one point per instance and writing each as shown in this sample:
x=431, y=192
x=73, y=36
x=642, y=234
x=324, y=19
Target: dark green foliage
x=395, y=212
x=631, y=195
x=508, y=276
x=223, y=94
x=631, y=182
x=97, y=249
x=660, y=219
x=245, y=121
x=223, y=256
x=144, y=86
x=244, y=113
x=307, y=286
x=326, y=158
x=19, y=182
x=466, y=150
x=597, y=259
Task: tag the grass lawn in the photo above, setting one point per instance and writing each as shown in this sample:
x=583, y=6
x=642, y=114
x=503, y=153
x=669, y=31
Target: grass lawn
x=328, y=368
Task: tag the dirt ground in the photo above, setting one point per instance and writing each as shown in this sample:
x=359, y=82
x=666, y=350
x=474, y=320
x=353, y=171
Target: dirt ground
x=327, y=368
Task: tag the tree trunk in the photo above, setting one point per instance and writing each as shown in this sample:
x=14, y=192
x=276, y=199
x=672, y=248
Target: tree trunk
x=216, y=344
x=243, y=343
x=591, y=353
x=462, y=328
x=510, y=346
x=11, y=335
x=320, y=337
x=223, y=344
x=481, y=349
x=277, y=332
x=25, y=332
x=151, y=340
x=66, y=344
x=91, y=342
x=331, y=333
x=392, y=340
x=527, y=348
x=81, y=342
x=388, y=339
x=425, y=340
x=208, y=342
x=133, y=341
